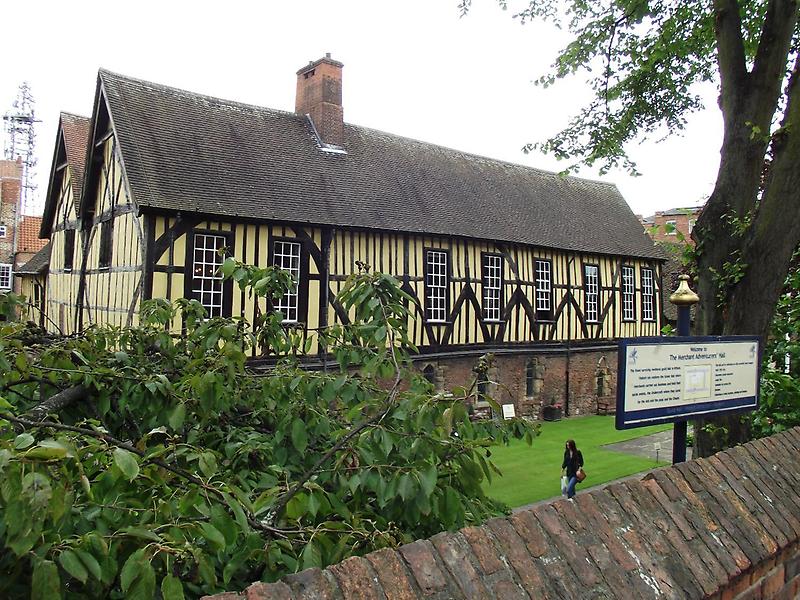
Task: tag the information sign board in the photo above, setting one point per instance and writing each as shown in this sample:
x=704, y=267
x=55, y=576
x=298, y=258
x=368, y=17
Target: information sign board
x=667, y=379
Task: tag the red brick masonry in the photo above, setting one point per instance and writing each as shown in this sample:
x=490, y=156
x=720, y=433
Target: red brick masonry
x=727, y=527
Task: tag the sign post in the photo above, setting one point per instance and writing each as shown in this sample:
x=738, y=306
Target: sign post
x=674, y=379
x=684, y=298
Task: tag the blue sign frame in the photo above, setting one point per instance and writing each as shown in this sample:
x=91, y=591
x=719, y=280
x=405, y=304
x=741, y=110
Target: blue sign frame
x=673, y=414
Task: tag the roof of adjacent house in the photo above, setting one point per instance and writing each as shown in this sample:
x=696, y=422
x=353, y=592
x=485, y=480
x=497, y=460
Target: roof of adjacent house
x=76, y=139
x=74, y=131
x=189, y=152
x=28, y=236
x=38, y=263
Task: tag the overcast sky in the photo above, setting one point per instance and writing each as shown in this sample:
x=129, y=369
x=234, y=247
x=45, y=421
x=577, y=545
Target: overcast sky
x=413, y=68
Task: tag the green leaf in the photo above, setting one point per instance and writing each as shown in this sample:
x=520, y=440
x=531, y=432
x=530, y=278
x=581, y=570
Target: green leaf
x=70, y=562
x=171, y=588
x=299, y=436
x=131, y=569
x=144, y=587
x=208, y=464
x=177, y=417
x=406, y=487
x=428, y=479
x=311, y=556
x=22, y=441
x=213, y=535
x=91, y=564
x=45, y=583
x=127, y=463
x=141, y=533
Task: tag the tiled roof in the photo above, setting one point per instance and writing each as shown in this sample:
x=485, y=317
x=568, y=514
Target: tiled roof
x=187, y=152
x=76, y=138
x=720, y=527
x=28, y=240
x=38, y=263
x=74, y=131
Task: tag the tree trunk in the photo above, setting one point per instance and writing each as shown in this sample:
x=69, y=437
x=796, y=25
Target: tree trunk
x=750, y=225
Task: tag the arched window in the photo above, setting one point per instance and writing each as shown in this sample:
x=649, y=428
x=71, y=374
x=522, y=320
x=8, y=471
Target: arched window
x=483, y=386
x=530, y=374
x=429, y=372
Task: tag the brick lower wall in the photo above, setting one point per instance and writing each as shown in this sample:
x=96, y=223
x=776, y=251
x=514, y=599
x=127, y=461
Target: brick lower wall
x=725, y=528
x=576, y=380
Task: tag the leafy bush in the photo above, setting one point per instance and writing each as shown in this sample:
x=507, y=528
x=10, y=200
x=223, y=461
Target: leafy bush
x=137, y=458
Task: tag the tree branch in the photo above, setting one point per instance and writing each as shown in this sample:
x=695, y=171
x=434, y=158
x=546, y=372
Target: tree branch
x=254, y=523
x=771, y=57
x=730, y=52
x=56, y=402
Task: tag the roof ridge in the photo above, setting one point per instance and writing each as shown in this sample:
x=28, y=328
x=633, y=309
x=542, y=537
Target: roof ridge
x=72, y=114
x=484, y=157
x=172, y=89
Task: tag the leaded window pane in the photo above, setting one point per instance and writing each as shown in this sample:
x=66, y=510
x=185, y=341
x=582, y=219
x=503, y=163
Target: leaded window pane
x=206, y=277
x=286, y=256
x=436, y=286
x=492, y=286
x=592, y=290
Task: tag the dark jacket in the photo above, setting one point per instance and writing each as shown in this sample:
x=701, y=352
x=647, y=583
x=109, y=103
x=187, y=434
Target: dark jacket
x=572, y=463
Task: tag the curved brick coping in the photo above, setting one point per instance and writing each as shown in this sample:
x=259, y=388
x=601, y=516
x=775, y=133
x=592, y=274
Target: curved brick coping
x=727, y=527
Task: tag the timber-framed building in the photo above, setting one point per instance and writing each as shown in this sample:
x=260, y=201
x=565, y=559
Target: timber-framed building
x=542, y=270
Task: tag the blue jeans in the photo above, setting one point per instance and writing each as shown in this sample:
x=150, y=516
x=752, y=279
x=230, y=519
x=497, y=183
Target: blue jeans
x=573, y=481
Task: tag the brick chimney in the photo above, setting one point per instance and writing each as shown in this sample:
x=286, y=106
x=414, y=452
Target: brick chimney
x=319, y=95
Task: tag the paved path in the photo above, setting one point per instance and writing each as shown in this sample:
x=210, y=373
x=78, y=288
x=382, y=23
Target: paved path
x=648, y=446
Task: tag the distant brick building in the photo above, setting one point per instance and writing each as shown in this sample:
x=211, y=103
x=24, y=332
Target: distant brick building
x=670, y=222
x=10, y=194
x=19, y=234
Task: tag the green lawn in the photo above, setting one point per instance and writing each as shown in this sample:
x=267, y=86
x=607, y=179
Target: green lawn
x=533, y=473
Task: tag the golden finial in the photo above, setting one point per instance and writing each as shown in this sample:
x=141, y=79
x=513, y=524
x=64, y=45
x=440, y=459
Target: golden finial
x=684, y=296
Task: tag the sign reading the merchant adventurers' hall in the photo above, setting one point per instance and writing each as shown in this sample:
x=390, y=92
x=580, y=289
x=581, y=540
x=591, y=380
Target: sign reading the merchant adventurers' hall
x=664, y=380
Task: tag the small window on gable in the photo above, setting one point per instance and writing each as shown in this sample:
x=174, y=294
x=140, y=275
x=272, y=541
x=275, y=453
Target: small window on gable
x=106, y=238
x=671, y=227
x=5, y=276
x=3, y=231
x=69, y=249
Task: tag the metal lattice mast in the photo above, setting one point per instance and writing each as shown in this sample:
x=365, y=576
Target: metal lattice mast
x=20, y=140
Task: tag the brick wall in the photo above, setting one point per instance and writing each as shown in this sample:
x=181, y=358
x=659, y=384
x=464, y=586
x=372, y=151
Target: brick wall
x=592, y=374
x=725, y=528
x=10, y=190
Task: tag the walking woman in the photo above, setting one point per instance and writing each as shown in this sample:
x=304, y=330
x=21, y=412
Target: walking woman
x=573, y=462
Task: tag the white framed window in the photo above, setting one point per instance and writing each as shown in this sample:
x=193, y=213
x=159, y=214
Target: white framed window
x=286, y=256
x=207, y=284
x=628, y=312
x=671, y=227
x=648, y=295
x=3, y=231
x=492, y=286
x=5, y=276
x=436, y=276
x=692, y=223
x=544, y=289
x=591, y=284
